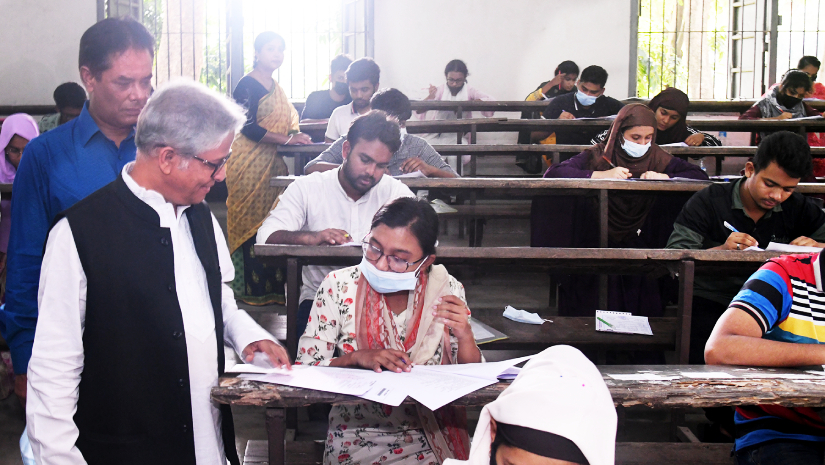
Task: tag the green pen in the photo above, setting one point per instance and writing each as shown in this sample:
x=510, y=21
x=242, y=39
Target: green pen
x=608, y=324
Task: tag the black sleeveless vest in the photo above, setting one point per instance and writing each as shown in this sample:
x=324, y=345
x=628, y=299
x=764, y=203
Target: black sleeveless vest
x=134, y=403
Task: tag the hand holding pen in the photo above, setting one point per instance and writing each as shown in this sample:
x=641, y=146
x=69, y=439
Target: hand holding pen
x=737, y=240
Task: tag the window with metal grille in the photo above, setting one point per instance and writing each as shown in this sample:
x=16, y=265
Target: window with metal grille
x=201, y=38
x=717, y=49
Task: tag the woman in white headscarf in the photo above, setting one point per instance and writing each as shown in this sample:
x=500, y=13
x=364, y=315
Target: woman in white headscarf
x=558, y=408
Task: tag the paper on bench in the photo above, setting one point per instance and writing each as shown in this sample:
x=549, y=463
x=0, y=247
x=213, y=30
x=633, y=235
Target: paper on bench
x=328, y=379
x=642, y=377
x=788, y=248
x=622, y=322
x=414, y=174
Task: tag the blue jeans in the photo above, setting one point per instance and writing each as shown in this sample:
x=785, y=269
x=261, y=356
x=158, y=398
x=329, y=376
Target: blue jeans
x=782, y=453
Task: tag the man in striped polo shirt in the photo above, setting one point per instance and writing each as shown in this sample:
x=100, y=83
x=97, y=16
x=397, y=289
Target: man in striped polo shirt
x=776, y=320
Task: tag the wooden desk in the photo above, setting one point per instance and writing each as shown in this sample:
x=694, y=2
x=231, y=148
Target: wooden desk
x=618, y=261
x=762, y=387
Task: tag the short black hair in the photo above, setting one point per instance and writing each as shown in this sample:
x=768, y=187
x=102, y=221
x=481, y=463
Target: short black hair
x=263, y=39
x=794, y=79
x=568, y=67
x=789, y=150
x=364, y=69
x=375, y=125
x=808, y=61
x=339, y=63
x=392, y=102
x=110, y=37
x=413, y=213
x=69, y=95
x=594, y=75
x=456, y=66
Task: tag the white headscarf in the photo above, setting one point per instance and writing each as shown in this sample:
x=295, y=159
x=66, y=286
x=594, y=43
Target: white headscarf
x=561, y=392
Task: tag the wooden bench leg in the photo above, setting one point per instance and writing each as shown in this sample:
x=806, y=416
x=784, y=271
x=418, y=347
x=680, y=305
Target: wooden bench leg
x=293, y=297
x=276, y=434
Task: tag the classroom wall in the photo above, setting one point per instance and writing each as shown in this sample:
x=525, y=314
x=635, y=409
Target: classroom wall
x=40, y=45
x=510, y=46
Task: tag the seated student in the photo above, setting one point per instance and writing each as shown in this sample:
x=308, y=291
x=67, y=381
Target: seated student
x=774, y=322
x=335, y=207
x=634, y=220
x=320, y=104
x=671, y=108
x=810, y=66
x=563, y=82
x=392, y=311
x=362, y=80
x=588, y=101
x=762, y=207
x=415, y=153
x=455, y=89
x=784, y=101
x=15, y=134
x=557, y=411
x=69, y=98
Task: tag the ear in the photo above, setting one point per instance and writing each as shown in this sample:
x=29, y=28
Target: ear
x=345, y=150
x=493, y=427
x=88, y=79
x=166, y=159
x=749, y=169
x=429, y=261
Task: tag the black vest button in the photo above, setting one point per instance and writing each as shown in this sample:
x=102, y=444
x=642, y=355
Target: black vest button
x=181, y=382
x=171, y=287
x=177, y=334
x=184, y=428
x=164, y=241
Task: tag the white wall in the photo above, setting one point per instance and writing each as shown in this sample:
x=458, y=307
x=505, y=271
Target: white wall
x=510, y=46
x=40, y=40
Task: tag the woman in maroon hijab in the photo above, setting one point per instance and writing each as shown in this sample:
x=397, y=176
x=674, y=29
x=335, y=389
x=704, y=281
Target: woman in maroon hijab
x=635, y=220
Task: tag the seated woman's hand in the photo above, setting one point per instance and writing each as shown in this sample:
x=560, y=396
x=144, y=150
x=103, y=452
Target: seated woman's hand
x=375, y=359
x=653, y=175
x=695, y=140
x=452, y=311
x=619, y=172
x=299, y=139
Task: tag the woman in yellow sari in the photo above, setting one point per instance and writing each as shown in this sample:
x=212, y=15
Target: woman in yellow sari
x=271, y=121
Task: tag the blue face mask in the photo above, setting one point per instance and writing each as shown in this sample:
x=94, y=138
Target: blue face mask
x=635, y=150
x=585, y=99
x=387, y=282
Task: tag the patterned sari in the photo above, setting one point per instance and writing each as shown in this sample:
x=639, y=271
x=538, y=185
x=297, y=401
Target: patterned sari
x=251, y=198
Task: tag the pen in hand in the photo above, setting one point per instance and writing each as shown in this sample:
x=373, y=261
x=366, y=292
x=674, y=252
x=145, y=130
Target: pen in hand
x=608, y=162
x=729, y=226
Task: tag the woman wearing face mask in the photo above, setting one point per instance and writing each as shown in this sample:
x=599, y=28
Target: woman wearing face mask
x=634, y=220
x=393, y=311
x=271, y=121
x=784, y=101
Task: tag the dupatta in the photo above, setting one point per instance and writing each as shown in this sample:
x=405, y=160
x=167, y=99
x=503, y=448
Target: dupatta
x=445, y=428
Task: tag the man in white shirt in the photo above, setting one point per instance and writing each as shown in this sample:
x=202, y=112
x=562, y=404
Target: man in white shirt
x=336, y=207
x=134, y=306
x=362, y=78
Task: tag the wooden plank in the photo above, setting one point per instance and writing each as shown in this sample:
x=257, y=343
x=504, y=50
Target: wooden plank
x=547, y=186
x=627, y=453
x=516, y=210
x=751, y=386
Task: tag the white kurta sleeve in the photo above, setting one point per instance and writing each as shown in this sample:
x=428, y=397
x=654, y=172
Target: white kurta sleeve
x=239, y=329
x=288, y=215
x=57, y=355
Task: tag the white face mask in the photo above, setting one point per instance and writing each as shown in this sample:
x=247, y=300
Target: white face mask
x=387, y=282
x=522, y=316
x=635, y=150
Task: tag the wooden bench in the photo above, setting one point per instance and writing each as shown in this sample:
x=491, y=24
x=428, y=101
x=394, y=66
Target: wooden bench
x=699, y=390
x=569, y=261
x=627, y=453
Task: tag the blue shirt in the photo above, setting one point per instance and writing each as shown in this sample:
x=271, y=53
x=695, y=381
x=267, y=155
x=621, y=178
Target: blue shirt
x=57, y=169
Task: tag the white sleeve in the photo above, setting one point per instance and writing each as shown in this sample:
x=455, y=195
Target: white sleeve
x=239, y=329
x=289, y=213
x=57, y=355
x=332, y=125
x=399, y=189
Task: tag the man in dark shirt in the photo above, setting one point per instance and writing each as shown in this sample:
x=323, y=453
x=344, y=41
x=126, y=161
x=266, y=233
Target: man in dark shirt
x=588, y=101
x=319, y=104
x=762, y=207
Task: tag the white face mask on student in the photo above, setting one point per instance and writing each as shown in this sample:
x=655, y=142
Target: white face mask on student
x=387, y=282
x=585, y=99
x=635, y=150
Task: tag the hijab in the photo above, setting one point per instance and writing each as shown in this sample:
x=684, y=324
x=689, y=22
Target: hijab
x=627, y=212
x=19, y=124
x=675, y=100
x=558, y=407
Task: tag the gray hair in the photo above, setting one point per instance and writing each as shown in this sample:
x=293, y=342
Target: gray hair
x=187, y=116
